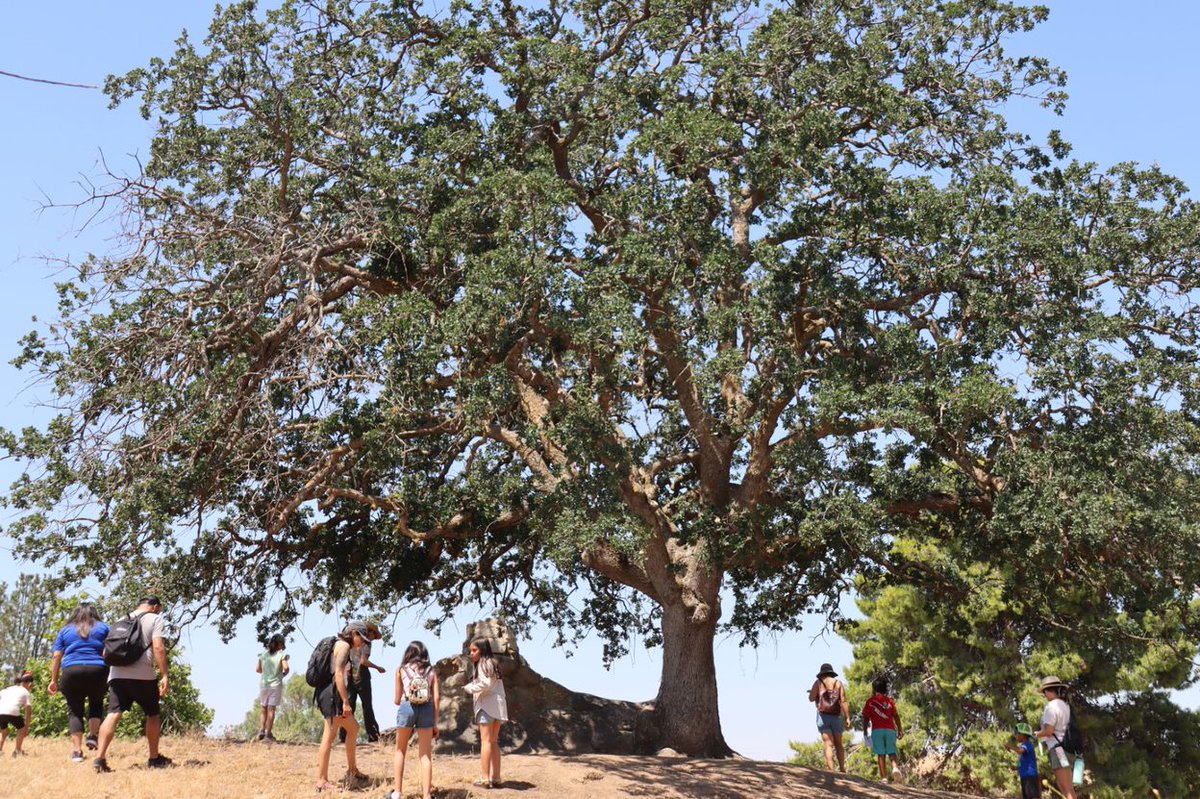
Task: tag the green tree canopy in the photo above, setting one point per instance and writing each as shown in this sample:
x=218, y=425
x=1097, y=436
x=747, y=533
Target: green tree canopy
x=25, y=623
x=602, y=309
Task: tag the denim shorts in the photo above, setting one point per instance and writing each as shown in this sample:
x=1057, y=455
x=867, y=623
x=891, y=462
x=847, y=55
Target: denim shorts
x=832, y=725
x=482, y=718
x=410, y=716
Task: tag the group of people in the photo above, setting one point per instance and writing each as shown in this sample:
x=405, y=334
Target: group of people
x=417, y=696
x=97, y=693
x=881, y=721
x=881, y=725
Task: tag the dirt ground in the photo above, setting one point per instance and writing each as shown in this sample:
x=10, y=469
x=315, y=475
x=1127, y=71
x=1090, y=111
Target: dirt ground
x=212, y=769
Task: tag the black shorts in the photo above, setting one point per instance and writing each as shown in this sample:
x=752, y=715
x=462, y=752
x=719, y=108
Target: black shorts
x=123, y=693
x=1031, y=788
x=14, y=721
x=329, y=701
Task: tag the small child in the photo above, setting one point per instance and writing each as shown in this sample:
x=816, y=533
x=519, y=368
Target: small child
x=1027, y=767
x=16, y=710
x=881, y=721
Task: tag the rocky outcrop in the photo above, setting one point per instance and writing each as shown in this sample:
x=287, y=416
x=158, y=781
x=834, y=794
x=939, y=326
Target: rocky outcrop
x=543, y=715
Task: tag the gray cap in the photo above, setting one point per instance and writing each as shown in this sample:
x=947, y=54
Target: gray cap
x=357, y=626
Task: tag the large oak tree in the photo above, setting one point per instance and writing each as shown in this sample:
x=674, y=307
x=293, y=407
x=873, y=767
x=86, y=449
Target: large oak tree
x=615, y=311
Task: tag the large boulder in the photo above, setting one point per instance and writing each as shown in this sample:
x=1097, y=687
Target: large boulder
x=543, y=715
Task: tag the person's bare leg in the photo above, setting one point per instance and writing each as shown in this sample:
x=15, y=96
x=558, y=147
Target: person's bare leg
x=827, y=740
x=403, y=735
x=350, y=725
x=153, y=733
x=485, y=752
x=107, y=730
x=327, y=736
x=425, y=752
x=262, y=721
x=841, y=753
x=270, y=720
x=21, y=733
x=1066, y=786
x=495, y=765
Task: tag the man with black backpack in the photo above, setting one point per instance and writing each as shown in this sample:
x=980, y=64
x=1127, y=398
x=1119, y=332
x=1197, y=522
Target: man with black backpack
x=1060, y=734
x=134, y=646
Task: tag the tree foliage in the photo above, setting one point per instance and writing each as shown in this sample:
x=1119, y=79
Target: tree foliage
x=25, y=622
x=974, y=673
x=600, y=309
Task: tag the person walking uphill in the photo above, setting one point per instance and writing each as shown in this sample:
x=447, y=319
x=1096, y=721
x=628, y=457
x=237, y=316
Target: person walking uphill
x=881, y=721
x=79, y=661
x=828, y=693
x=333, y=699
x=134, y=646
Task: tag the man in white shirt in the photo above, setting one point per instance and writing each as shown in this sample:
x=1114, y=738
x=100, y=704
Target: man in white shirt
x=136, y=683
x=1055, y=720
x=16, y=711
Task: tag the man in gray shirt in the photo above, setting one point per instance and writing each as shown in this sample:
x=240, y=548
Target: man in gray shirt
x=136, y=683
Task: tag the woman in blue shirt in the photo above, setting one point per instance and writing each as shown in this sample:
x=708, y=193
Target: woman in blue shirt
x=79, y=656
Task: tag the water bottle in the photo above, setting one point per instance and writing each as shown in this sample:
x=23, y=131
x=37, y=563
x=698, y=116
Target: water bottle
x=1077, y=775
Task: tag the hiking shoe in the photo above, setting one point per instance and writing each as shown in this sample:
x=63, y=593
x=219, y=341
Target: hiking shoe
x=270, y=738
x=262, y=734
x=162, y=761
x=77, y=757
x=101, y=766
x=92, y=742
x=355, y=780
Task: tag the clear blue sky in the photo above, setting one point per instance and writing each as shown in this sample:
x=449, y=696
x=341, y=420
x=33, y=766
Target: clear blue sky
x=1133, y=76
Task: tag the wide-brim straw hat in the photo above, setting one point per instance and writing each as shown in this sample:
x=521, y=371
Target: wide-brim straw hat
x=826, y=671
x=1052, y=682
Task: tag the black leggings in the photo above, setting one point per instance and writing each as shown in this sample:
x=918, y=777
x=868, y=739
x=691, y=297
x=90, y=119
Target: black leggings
x=84, y=682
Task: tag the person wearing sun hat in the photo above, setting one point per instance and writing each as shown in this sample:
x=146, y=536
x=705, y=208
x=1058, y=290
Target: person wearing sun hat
x=828, y=693
x=1027, y=767
x=1055, y=720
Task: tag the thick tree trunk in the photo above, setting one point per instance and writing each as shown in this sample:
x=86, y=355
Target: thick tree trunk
x=687, y=717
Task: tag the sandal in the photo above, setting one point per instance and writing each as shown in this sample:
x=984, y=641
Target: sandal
x=325, y=786
x=482, y=783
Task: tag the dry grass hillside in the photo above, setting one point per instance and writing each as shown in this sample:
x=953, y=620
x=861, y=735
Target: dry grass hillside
x=210, y=769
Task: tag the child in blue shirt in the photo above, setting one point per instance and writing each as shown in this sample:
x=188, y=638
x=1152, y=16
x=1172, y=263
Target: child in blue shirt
x=1027, y=767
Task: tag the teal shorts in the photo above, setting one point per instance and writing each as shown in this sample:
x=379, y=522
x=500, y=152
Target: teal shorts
x=883, y=742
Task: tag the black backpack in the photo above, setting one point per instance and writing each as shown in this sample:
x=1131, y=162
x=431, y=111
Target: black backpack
x=124, y=644
x=1072, y=741
x=320, y=664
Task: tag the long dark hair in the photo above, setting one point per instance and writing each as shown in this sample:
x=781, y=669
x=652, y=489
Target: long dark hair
x=487, y=665
x=275, y=644
x=416, y=653
x=84, y=618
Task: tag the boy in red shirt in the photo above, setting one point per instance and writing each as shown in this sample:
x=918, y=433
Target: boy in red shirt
x=882, y=722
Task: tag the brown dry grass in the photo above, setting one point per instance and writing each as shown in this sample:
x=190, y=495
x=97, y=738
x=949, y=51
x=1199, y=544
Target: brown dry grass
x=210, y=769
